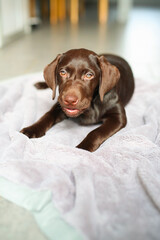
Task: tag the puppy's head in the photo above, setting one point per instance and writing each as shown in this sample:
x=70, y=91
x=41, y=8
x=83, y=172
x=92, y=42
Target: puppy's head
x=78, y=72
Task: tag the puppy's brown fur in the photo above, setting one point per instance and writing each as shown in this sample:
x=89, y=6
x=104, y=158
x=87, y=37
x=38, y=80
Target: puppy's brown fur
x=92, y=89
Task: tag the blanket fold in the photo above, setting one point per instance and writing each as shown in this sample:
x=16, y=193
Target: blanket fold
x=39, y=203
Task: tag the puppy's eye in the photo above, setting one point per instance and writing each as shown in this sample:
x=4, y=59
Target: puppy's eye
x=63, y=73
x=88, y=76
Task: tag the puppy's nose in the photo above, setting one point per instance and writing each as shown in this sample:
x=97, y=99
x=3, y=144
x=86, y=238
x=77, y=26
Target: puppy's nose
x=70, y=100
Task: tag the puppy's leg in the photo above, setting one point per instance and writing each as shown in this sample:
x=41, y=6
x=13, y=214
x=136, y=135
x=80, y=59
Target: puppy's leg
x=114, y=121
x=49, y=119
x=41, y=85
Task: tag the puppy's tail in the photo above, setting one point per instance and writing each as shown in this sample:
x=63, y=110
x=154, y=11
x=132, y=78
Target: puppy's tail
x=41, y=85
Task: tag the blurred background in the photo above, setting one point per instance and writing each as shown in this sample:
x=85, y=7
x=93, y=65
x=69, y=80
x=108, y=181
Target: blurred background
x=33, y=32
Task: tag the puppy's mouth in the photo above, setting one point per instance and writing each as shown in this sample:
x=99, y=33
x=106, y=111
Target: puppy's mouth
x=72, y=112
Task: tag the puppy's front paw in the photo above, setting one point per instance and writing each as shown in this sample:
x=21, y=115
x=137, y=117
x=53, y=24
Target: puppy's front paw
x=32, y=132
x=87, y=146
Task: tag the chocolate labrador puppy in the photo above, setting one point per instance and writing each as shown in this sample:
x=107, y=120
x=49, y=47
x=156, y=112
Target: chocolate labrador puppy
x=92, y=89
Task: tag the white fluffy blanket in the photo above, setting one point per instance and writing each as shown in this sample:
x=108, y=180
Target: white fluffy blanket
x=113, y=193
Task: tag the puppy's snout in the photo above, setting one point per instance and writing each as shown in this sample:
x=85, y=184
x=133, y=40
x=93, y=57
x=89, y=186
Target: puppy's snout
x=70, y=100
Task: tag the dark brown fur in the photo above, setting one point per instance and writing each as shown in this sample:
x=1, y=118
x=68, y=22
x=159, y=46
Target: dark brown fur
x=92, y=89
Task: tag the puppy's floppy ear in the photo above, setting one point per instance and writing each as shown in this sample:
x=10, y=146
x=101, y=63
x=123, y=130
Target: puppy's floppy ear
x=50, y=74
x=109, y=76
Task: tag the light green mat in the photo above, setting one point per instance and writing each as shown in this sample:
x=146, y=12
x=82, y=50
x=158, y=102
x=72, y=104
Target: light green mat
x=41, y=205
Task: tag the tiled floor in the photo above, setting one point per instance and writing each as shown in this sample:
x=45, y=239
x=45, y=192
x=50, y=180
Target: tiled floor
x=17, y=224
x=138, y=41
